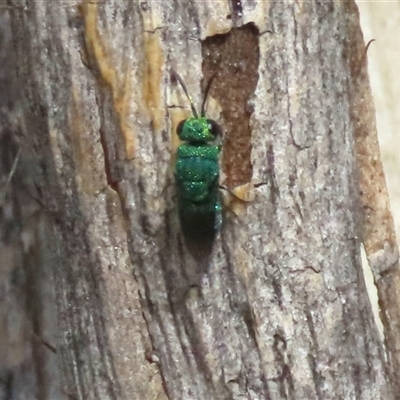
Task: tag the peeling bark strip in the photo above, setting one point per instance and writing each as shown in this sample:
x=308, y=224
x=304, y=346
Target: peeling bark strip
x=378, y=231
x=276, y=306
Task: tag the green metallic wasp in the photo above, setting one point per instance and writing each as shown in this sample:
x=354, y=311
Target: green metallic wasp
x=197, y=169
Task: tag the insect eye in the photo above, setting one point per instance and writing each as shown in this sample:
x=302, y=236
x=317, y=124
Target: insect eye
x=214, y=128
x=179, y=128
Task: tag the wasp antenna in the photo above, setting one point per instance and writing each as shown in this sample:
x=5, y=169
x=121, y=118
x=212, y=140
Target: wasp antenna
x=179, y=79
x=203, y=106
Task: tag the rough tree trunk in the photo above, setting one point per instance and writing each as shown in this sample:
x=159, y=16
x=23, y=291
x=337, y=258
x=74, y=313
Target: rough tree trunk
x=275, y=306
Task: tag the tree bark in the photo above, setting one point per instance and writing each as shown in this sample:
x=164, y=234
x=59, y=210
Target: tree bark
x=275, y=305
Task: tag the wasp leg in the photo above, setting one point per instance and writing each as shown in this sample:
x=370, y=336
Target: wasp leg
x=218, y=214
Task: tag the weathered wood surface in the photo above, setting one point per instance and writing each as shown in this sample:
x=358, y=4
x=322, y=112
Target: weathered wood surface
x=276, y=306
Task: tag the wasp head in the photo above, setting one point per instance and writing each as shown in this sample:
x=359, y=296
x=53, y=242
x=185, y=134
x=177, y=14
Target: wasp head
x=198, y=130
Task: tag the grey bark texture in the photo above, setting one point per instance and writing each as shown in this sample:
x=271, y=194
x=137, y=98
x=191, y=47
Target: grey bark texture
x=275, y=305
